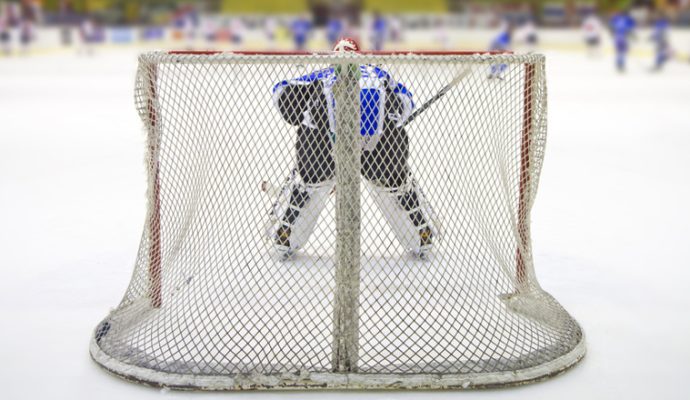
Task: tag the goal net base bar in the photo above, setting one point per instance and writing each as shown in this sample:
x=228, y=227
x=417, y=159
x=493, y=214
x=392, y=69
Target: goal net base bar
x=337, y=381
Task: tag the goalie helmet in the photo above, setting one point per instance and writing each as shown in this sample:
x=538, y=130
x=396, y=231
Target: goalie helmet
x=346, y=44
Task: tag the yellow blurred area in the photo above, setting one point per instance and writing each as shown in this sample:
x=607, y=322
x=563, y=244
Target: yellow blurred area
x=263, y=6
x=395, y=6
x=299, y=6
x=89, y=5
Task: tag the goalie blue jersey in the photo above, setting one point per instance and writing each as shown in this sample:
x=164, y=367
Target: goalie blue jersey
x=375, y=85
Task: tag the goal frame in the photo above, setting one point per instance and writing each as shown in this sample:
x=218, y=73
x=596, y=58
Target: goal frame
x=343, y=375
x=338, y=380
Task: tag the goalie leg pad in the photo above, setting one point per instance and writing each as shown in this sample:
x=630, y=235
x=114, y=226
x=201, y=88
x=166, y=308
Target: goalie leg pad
x=407, y=214
x=300, y=216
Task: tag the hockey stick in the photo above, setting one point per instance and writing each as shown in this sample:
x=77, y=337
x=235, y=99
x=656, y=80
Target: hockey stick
x=460, y=76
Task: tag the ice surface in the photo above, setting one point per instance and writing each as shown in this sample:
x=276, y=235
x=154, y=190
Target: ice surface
x=611, y=224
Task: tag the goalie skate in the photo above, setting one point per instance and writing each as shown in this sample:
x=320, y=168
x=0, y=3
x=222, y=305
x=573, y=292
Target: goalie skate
x=426, y=237
x=282, y=243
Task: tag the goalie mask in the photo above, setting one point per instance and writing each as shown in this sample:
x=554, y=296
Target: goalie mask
x=346, y=45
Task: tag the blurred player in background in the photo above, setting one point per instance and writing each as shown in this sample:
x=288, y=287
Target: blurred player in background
x=527, y=34
x=501, y=43
x=28, y=18
x=223, y=33
x=185, y=23
x=662, y=46
x=88, y=35
x=395, y=29
x=335, y=29
x=67, y=16
x=441, y=32
x=237, y=31
x=12, y=14
x=5, y=32
x=378, y=31
x=209, y=28
x=592, y=29
x=271, y=31
x=301, y=28
x=622, y=27
x=26, y=35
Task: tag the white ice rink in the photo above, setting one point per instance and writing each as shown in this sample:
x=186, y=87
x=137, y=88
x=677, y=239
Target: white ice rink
x=611, y=226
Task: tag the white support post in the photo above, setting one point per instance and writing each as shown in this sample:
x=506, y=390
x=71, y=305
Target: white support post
x=347, y=151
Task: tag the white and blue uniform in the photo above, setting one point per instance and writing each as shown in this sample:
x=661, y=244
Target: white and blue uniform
x=385, y=104
x=376, y=85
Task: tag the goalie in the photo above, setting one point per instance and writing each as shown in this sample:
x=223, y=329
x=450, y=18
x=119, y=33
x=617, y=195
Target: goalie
x=385, y=105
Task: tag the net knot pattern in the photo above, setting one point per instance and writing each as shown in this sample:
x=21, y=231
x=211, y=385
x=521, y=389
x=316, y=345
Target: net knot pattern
x=339, y=221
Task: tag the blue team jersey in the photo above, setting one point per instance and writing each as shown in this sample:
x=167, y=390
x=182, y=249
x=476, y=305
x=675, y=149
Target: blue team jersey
x=374, y=83
x=379, y=26
x=334, y=29
x=622, y=25
x=301, y=28
x=501, y=42
x=660, y=31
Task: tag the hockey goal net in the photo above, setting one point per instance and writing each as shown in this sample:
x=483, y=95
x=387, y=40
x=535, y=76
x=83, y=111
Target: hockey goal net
x=339, y=221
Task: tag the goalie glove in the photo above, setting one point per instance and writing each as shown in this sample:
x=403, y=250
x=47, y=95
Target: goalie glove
x=296, y=99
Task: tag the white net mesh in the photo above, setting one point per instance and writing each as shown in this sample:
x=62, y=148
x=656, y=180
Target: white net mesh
x=314, y=222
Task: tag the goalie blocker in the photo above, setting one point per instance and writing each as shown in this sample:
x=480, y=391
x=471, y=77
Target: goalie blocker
x=307, y=102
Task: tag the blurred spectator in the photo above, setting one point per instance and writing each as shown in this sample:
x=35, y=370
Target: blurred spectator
x=66, y=17
x=186, y=24
x=26, y=35
x=441, y=32
x=223, y=33
x=271, y=31
x=5, y=33
x=28, y=15
x=178, y=24
x=12, y=14
x=592, y=29
x=210, y=29
x=237, y=31
x=31, y=11
x=152, y=32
